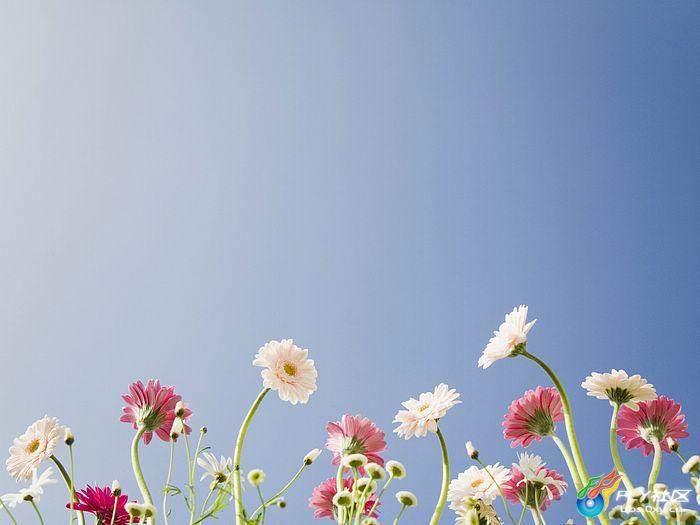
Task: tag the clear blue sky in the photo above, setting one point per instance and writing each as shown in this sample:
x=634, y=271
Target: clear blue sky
x=182, y=181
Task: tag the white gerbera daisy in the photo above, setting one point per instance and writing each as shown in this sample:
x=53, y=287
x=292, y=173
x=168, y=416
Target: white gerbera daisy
x=287, y=370
x=34, y=446
x=529, y=464
x=469, y=513
x=619, y=388
x=532, y=468
x=422, y=414
x=475, y=483
x=512, y=332
x=219, y=469
x=35, y=490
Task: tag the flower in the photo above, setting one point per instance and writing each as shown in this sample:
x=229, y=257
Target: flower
x=660, y=418
x=396, y=469
x=475, y=512
x=472, y=452
x=375, y=471
x=532, y=416
x=220, y=469
x=511, y=334
x=406, y=498
x=342, y=498
x=355, y=435
x=530, y=477
x=692, y=465
x=422, y=414
x=153, y=408
x=321, y=499
x=287, y=370
x=354, y=461
x=256, y=477
x=619, y=388
x=100, y=502
x=311, y=456
x=116, y=488
x=68, y=437
x=476, y=484
x=35, y=490
x=34, y=446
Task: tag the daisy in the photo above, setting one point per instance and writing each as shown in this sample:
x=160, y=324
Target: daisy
x=100, y=502
x=34, y=446
x=321, y=499
x=287, y=370
x=532, y=416
x=35, y=490
x=660, y=418
x=508, y=338
x=355, y=435
x=485, y=513
x=619, y=388
x=476, y=484
x=153, y=407
x=422, y=414
x=219, y=469
x=530, y=477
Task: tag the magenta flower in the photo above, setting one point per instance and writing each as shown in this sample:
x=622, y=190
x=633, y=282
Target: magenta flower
x=321, y=499
x=355, y=435
x=532, y=416
x=531, y=478
x=660, y=418
x=153, y=407
x=100, y=502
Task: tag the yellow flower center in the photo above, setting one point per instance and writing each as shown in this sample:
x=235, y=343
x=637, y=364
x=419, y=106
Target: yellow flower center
x=290, y=369
x=423, y=407
x=476, y=483
x=33, y=446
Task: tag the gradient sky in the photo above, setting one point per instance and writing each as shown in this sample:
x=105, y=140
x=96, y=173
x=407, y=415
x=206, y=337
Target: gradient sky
x=182, y=181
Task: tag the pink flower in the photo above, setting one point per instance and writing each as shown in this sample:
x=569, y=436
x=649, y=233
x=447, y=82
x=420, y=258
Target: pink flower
x=321, y=499
x=100, y=502
x=153, y=407
x=355, y=435
x=542, y=486
x=660, y=418
x=532, y=416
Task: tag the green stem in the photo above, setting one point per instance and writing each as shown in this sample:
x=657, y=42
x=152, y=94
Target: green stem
x=69, y=484
x=72, y=481
x=190, y=479
x=535, y=516
x=167, y=481
x=500, y=490
x=338, y=488
x=114, y=510
x=136, y=465
x=381, y=493
x=36, y=509
x=398, y=516
x=281, y=491
x=569, y=461
x=524, y=503
x=656, y=465
x=614, y=450
x=237, y=484
x=206, y=500
x=445, y=482
x=262, y=502
x=12, y=518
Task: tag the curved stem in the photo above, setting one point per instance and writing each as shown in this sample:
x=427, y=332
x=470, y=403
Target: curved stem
x=237, y=484
x=281, y=491
x=338, y=488
x=656, y=465
x=114, y=510
x=71, y=465
x=381, y=493
x=136, y=465
x=12, y=518
x=569, y=461
x=614, y=452
x=398, y=516
x=36, y=509
x=262, y=502
x=535, y=516
x=206, y=500
x=69, y=484
x=445, y=482
x=500, y=490
x=524, y=503
x=167, y=481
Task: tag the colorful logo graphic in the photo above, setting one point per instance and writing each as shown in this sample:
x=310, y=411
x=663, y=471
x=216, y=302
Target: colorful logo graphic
x=593, y=499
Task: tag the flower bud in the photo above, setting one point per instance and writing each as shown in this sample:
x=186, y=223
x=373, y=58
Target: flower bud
x=672, y=444
x=281, y=504
x=473, y=453
x=311, y=456
x=365, y=485
x=256, y=477
x=134, y=509
x=177, y=428
x=375, y=471
x=116, y=488
x=406, y=498
x=179, y=409
x=203, y=430
x=354, y=460
x=396, y=469
x=692, y=465
x=149, y=511
x=342, y=499
x=68, y=437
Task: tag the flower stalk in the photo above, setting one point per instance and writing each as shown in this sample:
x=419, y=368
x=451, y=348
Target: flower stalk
x=434, y=520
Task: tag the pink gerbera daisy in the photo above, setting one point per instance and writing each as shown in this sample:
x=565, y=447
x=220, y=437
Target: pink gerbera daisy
x=321, y=499
x=355, y=435
x=660, y=418
x=530, y=478
x=152, y=407
x=532, y=416
x=100, y=502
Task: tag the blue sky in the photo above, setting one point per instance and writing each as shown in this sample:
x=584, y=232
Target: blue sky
x=180, y=183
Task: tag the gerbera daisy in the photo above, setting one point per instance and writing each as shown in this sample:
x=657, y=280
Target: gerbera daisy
x=219, y=469
x=619, y=388
x=153, y=407
x=321, y=499
x=512, y=333
x=422, y=414
x=35, y=490
x=530, y=477
x=100, y=502
x=476, y=484
x=34, y=446
x=532, y=416
x=287, y=370
x=485, y=513
x=660, y=418
x=355, y=435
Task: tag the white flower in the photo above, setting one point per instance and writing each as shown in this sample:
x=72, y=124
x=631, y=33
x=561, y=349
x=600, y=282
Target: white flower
x=311, y=456
x=35, y=490
x=396, y=469
x=512, y=332
x=465, y=513
x=34, y=446
x=287, y=370
x=529, y=464
x=692, y=465
x=354, y=461
x=134, y=509
x=475, y=483
x=422, y=414
x=116, y=488
x=618, y=387
x=217, y=469
x=533, y=471
x=256, y=477
x=177, y=428
x=406, y=498
x=472, y=452
x=375, y=471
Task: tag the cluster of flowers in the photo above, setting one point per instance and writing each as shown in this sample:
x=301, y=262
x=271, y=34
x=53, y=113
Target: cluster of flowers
x=353, y=496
